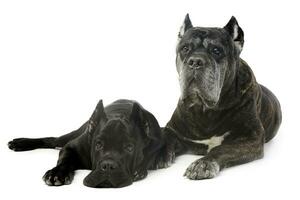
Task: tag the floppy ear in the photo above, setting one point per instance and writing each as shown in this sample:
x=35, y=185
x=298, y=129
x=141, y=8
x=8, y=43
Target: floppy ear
x=187, y=24
x=146, y=121
x=236, y=33
x=97, y=116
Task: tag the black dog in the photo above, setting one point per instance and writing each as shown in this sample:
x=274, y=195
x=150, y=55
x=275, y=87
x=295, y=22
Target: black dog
x=119, y=143
x=223, y=113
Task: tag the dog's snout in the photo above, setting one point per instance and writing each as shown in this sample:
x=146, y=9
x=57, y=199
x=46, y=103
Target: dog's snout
x=195, y=62
x=108, y=165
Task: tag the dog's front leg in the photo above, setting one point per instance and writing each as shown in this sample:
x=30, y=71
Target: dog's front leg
x=172, y=147
x=242, y=149
x=63, y=173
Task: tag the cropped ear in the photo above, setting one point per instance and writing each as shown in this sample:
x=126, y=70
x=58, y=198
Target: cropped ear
x=97, y=116
x=187, y=24
x=153, y=134
x=235, y=31
x=147, y=122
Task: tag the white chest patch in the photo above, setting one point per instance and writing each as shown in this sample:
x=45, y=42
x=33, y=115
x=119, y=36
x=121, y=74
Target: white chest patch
x=211, y=142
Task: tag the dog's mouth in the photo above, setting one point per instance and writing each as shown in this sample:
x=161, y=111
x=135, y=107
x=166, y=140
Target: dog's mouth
x=97, y=179
x=113, y=183
x=203, y=86
x=194, y=91
x=105, y=184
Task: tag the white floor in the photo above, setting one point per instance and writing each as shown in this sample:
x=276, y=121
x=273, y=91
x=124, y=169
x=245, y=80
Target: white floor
x=275, y=176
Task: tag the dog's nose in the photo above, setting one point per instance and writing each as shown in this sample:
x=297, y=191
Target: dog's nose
x=108, y=165
x=195, y=62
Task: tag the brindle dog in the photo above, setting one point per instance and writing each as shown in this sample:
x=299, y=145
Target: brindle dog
x=223, y=113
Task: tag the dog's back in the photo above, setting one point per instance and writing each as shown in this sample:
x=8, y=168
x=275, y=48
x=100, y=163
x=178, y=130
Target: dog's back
x=270, y=113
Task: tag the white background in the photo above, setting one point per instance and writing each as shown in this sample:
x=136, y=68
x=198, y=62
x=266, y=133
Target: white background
x=58, y=58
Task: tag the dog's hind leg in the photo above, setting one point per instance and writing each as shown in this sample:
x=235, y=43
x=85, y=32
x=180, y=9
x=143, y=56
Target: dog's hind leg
x=25, y=144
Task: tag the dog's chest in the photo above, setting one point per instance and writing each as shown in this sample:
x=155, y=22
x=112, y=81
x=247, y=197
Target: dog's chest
x=204, y=129
x=206, y=125
x=211, y=142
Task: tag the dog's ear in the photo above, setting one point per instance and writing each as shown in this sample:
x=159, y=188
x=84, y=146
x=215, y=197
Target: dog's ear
x=97, y=117
x=152, y=134
x=236, y=33
x=146, y=121
x=187, y=24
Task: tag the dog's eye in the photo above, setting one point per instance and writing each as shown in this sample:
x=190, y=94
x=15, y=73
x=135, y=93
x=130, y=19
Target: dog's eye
x=129, y=147
x=217, y=51
x=99, y=146
x=185, y=49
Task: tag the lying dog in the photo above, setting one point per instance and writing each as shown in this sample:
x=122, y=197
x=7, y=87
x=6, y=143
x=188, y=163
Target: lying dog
x=119, y=143
x=223, y=113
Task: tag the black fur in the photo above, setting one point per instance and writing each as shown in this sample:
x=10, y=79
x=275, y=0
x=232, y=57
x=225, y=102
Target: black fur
x=119, y=143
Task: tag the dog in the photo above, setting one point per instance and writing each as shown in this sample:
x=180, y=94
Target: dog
x=119, y=143
x=222, y=113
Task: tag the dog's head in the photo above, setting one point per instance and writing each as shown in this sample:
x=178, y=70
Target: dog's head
x=121, y=147
x=206, y=60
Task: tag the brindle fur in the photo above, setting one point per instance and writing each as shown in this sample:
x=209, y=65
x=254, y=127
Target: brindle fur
x=245, y=109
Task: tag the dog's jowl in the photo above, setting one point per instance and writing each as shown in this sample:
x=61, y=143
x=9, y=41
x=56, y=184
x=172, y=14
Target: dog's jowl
x=119, y=143
x=223, y=113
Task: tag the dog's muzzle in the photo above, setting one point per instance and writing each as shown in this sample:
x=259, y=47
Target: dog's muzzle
x=108, y=174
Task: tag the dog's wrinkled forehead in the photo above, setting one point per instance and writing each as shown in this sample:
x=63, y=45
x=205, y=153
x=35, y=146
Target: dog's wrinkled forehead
x=116, y=129
x=231, y=33
x=204, y=36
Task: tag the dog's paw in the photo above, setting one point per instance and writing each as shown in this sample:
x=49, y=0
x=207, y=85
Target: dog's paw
x=202, y=169
x=164, y=159
x=139, y=175
x=58, y=177
x=20, y=144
